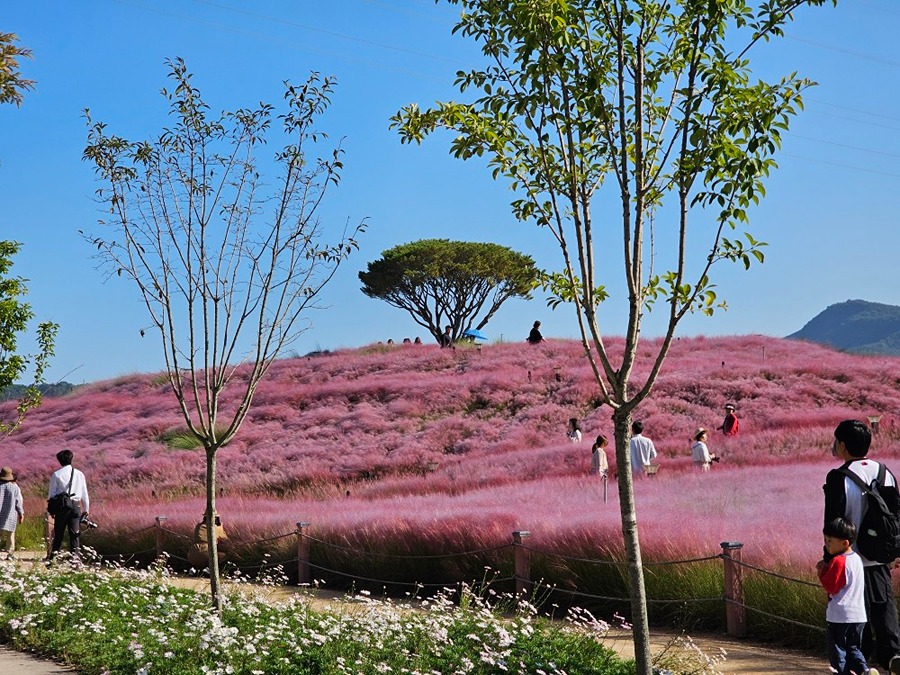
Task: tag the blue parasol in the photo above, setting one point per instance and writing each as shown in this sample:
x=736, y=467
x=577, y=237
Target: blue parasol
x=475, y=334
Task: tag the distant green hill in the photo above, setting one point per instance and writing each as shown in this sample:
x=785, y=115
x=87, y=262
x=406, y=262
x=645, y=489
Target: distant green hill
x=14, y=391
x=855, y=326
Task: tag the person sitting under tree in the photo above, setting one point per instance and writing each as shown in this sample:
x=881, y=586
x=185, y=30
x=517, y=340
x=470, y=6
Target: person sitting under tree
x=535, y=337
x=446, y=338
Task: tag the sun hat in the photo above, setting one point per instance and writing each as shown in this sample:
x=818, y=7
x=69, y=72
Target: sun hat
x=6, y=474
x=700, y=431
x=729, y=406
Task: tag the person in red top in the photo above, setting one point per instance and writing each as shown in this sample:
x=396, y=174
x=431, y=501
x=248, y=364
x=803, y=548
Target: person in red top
x=730, y=424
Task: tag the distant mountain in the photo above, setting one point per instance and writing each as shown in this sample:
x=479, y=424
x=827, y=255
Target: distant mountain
x=855, y=326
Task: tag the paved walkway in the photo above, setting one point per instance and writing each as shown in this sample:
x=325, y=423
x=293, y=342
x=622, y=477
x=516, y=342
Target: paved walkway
x=19, y=663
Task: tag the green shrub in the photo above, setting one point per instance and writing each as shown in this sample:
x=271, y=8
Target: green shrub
x=112, y=621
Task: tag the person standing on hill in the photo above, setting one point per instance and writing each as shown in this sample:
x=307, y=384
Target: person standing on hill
x=68, y=479
x=845, y=499
x=12, y=511
x=573, y=432
x=599, y=461
x=730, y=424
x=699, y=452
x=642, y=449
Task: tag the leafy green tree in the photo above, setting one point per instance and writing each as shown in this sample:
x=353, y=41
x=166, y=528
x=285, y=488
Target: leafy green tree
x=646, y=107
x=14, y=318
x=441, y=282
x=12, y=84
x=15, y=314
x=226, y=262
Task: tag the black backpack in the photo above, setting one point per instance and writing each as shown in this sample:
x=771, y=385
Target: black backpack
x=878, y=538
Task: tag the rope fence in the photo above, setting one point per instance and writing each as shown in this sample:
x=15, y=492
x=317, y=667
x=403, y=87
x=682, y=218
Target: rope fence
x=732, y=596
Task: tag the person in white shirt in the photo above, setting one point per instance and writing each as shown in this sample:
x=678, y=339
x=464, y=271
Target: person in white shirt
x=573, y=433
x=642, y=449
x=699, y=452
x=68, y=479
x=844, y=499
x=599, y=461
x=841, y=574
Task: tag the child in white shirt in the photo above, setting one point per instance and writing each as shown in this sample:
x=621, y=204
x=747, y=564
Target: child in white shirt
x=841, y=574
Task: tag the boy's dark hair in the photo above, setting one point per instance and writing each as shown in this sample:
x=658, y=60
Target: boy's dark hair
x=64, y=457
x=637, y=427
x=840, y=528
x=855, y=436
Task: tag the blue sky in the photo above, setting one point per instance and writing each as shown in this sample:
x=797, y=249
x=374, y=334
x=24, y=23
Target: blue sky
x=829, y=217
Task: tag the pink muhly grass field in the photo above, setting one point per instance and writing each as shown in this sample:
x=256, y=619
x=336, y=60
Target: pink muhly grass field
x=414, y=446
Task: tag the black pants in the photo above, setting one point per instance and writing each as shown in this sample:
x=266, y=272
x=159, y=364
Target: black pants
x=67, y=520
x=881, y=610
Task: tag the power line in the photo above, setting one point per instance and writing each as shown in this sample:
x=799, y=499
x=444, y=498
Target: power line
x=342, y=56
x=856, y=110
x=324, y=31
x=844, y=50
x=843, y=166
x=845, y=145
x=419, y=54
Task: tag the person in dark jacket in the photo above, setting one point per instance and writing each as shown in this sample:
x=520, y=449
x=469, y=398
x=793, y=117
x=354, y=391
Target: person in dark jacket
x=844, y=499
x=446, y=339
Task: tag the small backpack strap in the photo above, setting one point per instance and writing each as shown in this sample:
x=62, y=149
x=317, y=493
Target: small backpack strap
x=882, y=471
x=852, y=475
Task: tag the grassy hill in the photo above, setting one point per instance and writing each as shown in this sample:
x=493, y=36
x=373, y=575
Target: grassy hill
x=459, y=447
x=494, y=413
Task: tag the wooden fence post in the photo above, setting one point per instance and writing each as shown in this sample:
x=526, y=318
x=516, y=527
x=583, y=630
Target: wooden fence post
x=735, y=616
x=159, y=536
x=304, y=578
x=522, y=558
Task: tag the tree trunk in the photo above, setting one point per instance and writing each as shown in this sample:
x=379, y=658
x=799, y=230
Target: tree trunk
x=639, y=625
x=211, y=538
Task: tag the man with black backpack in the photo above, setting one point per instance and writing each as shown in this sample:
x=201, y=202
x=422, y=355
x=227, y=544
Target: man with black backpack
x=67, y=480
x=865, y=492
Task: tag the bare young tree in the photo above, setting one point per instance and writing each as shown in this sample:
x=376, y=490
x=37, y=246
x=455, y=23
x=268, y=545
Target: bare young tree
x=226, y=264
x=650, y=104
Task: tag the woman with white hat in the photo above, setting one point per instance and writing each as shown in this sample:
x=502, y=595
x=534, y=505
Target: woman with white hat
x=699, y=451
x=12, y=511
